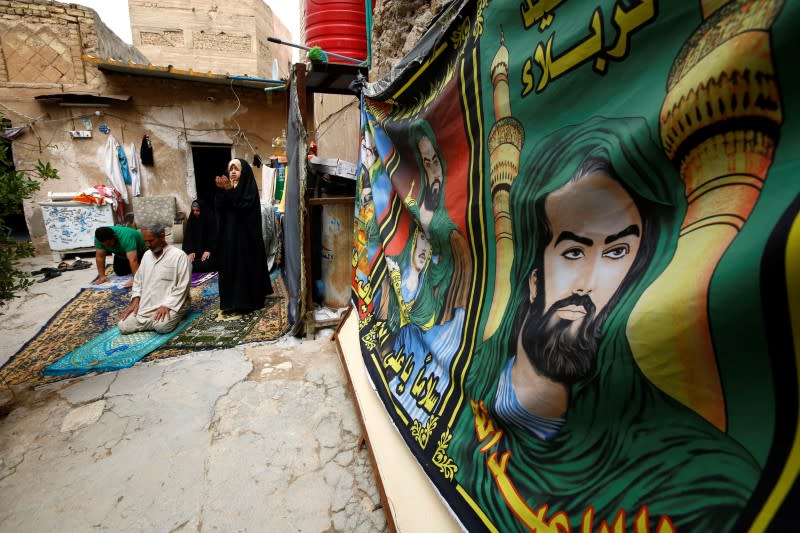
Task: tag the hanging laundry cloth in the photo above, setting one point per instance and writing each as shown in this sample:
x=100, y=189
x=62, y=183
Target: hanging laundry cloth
x=135, y=167
x=114, y=169
x=123, y=164
x=147, y=151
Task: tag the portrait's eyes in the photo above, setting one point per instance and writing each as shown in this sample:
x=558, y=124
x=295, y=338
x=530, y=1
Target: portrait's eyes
x=617, y=252
x=572, y=254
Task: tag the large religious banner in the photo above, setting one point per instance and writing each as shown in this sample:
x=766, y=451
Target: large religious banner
x=577, y=262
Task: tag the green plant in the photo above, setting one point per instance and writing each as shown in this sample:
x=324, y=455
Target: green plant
x=16, y=186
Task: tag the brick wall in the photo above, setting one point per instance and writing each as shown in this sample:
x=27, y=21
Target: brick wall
x=43, y=41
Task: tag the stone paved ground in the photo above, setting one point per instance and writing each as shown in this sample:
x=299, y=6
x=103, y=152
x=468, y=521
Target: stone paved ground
x=256, y=438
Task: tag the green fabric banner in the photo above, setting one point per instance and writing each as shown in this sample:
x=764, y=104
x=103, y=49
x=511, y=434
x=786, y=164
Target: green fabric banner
x=577, y=262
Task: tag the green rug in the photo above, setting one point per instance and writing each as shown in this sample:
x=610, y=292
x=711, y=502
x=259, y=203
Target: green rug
x=212, y=331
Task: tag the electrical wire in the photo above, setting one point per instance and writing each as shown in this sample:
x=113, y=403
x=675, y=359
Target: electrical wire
x=18, y=113
x=239, y=133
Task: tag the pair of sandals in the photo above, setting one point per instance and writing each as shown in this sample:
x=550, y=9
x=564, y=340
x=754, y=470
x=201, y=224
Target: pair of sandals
x=48, y=273
x=79, y=264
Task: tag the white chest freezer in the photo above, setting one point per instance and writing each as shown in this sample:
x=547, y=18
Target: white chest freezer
x=70, y=225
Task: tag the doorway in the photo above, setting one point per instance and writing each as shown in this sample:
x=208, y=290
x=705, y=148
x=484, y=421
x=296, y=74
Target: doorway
x=210, y=161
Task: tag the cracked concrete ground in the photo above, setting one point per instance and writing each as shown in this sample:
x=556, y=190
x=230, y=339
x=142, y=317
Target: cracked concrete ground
x=261, y=437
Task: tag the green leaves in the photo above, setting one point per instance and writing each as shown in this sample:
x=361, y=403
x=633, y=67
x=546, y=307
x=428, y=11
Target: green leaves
x=11, y=279
x=16, y=186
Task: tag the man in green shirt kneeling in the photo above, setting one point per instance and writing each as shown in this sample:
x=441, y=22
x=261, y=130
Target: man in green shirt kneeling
x=125, y=243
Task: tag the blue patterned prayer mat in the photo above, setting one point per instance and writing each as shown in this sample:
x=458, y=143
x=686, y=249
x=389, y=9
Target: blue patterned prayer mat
x=112, y=350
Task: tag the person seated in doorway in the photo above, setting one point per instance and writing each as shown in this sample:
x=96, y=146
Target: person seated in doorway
x=127, y=246
x=160, y=297
x=200, y=238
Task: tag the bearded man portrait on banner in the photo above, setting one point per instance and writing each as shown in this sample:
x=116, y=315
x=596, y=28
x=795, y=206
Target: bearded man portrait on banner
x=595, y=216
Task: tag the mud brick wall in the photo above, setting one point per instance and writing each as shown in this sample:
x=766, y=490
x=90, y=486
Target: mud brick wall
x=397, y=26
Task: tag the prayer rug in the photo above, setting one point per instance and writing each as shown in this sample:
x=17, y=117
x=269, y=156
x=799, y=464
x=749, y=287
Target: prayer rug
x=202, y=278
x=273, y=323
x=111, y=350
x=114, y=282
x=87, y=315
x=208, y=332
x=91, y=312
x=213, y=331
x=81, y=319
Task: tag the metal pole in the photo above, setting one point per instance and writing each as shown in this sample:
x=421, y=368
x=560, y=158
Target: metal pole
x=300, y=46
x=260, y=80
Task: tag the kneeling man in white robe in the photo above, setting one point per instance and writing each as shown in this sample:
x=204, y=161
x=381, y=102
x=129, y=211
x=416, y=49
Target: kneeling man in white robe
x=160, y=296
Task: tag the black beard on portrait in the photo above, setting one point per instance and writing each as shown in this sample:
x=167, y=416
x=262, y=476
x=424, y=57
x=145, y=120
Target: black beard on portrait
x=431, y=197
x=554, y=349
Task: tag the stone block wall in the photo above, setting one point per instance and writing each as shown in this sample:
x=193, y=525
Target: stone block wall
x=220, y=36
x=397, y=27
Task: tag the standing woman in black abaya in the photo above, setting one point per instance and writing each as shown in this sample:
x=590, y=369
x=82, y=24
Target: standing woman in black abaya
x=243, y=276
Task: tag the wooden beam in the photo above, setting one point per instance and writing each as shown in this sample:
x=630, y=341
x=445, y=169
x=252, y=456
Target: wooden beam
x=332, y=200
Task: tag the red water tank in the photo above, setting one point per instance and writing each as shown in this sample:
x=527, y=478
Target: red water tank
x=337, y=26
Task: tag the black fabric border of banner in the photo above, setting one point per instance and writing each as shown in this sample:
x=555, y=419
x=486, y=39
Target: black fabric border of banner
x=777, y=321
